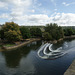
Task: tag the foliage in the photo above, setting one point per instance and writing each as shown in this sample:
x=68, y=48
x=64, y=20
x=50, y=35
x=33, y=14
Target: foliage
x=12, y=35
x=68, y=32
x=54, y=30
x=2, y=34
x=10, y=26
x=47, y=36
x=9, y=45
x=36, y=32
x=25, y=32
x=11, y=31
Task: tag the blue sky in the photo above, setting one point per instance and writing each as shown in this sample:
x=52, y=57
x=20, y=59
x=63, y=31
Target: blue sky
x=38, y=12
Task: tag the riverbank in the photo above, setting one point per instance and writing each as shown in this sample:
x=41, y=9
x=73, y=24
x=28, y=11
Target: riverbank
x=21, y=44
x=61, y=39
x=71, y=69
x=69, y=37
x=31, y=40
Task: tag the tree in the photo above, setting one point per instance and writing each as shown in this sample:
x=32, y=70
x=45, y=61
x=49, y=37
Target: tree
x=11, y=31
x=68, y=32
x=2, y=34
x=60, y=33
x=36, y=32
x=12, y=35
x=25, y=32
x=47, y=36
x=54, y=30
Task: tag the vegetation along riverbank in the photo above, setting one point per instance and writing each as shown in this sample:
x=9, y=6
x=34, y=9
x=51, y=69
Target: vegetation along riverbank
x=27, y=41
x=12, y=35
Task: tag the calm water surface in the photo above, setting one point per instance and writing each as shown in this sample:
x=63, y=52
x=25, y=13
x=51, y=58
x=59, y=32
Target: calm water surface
x=25, y=61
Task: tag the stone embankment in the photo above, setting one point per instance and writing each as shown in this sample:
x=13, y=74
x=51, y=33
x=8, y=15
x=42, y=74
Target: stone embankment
x=71, y=69
x=69, y=37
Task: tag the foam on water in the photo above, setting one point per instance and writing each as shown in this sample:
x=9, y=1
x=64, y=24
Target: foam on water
x=52, y=54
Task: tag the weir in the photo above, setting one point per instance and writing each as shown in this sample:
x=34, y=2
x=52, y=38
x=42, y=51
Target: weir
x=52, y=54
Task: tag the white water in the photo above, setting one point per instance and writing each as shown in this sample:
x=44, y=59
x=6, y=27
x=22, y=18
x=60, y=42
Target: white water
x=53, y=54
x=57, y=50
x=42, y=47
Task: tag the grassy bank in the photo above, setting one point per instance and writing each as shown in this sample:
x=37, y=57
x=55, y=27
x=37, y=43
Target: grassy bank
x=13, y=46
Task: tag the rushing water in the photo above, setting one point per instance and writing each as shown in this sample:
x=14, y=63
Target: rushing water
x=29, y=59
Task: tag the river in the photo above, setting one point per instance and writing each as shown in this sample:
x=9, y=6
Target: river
x=25, y=60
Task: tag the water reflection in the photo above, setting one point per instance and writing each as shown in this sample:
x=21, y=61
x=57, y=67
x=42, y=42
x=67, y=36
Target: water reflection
x=25, y=61
x=14, y=57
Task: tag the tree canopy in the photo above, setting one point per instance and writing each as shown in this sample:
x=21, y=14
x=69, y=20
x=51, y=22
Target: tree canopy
x=69, y=32
x=25, y=32
x=54, y=30
x=36, y=32
x=11, y=31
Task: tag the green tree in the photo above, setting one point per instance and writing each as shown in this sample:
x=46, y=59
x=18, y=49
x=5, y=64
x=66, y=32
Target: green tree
x=2, y=34
x=60, y=33
x=11, y=31
x=47, y=36
x=54, y=30
x=68, y=32
x=36, y=32
x=25, y=32
x=12, y=36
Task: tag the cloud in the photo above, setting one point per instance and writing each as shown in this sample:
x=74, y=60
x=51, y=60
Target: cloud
x=4, y=16
x=21, y=12
x=3, y=5
x=32, y=10
x=63, y=19
x=18, y=2
x=39, y=19
x=16, y=6
x=67, y=4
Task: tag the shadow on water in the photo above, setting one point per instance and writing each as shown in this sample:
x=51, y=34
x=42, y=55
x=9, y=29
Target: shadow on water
x=13, y=57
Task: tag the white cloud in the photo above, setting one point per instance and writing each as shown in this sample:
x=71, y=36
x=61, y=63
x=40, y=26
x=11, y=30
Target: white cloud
x=40, y=19
x=3, y=5
x=32, y=10
x=17, y=7
x=20, y=9
x=67, y=4
x=63, y=19
x=4, y=16
x=18, y=2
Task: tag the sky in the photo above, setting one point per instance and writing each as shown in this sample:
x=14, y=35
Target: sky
x=38, y=12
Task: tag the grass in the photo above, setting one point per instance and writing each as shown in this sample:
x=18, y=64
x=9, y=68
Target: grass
x=9, y=45
x=0, y=46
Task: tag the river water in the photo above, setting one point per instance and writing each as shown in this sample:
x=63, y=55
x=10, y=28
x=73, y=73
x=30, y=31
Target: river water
x=25, y=60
